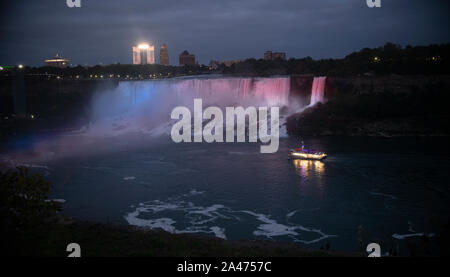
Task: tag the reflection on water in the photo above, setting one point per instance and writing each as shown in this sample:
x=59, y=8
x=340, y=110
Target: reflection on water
x=307, y=168
x=392, y=199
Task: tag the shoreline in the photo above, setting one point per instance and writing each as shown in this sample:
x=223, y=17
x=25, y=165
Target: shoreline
x=111, y=239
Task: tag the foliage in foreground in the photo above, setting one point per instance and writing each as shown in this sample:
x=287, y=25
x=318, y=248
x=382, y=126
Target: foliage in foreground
x=24, y=198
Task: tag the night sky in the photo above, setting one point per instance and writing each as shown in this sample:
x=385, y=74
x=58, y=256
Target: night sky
x=103, y=31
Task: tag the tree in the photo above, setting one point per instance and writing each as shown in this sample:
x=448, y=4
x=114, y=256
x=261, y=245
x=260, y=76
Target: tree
x=24, y=198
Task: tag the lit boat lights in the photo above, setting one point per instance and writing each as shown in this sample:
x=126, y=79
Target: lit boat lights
x=308, y=156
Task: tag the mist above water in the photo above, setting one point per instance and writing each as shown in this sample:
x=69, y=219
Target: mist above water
x=137, y=109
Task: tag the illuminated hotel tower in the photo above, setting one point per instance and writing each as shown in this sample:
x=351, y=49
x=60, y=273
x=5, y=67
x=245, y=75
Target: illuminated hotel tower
x=144, y=54
x=164, y=55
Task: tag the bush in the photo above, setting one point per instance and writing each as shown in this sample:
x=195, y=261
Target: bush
x=24, y=198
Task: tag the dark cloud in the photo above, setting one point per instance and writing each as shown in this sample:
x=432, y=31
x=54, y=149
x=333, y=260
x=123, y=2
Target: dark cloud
x=105, y=30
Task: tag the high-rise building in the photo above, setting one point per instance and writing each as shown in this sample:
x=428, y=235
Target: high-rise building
x=186, y=59
x=163, y=55
x=57, y=61
x=144, y=54
x=269, y=56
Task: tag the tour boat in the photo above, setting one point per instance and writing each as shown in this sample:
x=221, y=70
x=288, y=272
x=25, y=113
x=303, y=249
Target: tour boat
x=305, y=154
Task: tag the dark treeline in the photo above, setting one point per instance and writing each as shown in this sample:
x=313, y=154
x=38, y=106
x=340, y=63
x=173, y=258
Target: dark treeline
x=389, y=59
x=117, y=71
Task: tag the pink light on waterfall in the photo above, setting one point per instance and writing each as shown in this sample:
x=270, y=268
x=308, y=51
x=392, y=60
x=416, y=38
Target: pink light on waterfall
x=240, y=91
x=318, y=90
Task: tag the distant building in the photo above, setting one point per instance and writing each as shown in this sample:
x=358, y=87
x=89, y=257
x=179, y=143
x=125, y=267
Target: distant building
x=214, y=64
x=144, y=54
x=269, y=55
x=164, y=55
x=186, y=59
x=279, y=55
x=57, y=61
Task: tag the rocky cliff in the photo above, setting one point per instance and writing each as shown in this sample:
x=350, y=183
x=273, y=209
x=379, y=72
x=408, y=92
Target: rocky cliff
x=377, y=106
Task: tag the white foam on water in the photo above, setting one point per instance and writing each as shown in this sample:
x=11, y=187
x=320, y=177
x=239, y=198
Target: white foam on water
x=167, y=223
x=412, y=234
x=162, y=207
x=129, y=178
x=56, y=200
x=209, y=211
x=398, y=236
x=194, y=192
x=208, y=219
x=18, y=164
x=59, y=200
x=272, y=228
x=159, y=223
x=218, y=232
x=290, y=214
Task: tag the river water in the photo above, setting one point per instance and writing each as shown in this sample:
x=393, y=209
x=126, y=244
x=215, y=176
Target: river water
x=124, y=168
x=391, y=187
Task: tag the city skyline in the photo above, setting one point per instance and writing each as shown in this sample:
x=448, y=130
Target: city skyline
x=101, y=33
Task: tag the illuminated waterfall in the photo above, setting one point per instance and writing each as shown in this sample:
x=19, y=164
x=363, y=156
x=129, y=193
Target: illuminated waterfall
x=164, y=95
x=240, y=91
x=318, y=90
x=145, y=105
x=136, y=109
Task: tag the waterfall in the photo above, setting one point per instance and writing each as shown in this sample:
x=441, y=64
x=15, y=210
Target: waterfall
x=236, y=91
x=213, y=91
x=138, y=105
x=318, y=90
